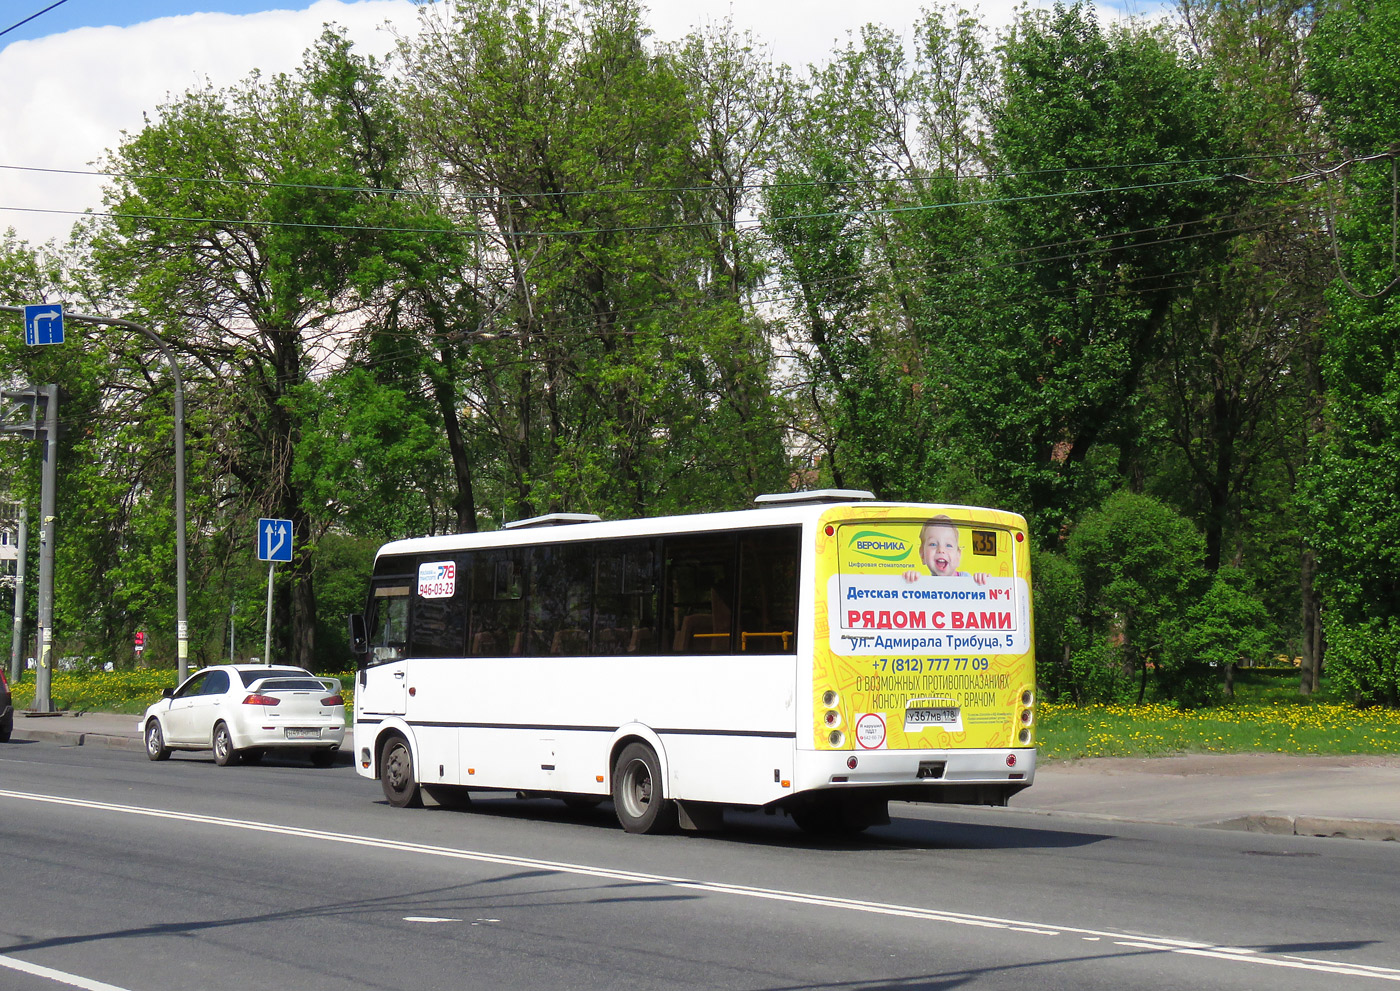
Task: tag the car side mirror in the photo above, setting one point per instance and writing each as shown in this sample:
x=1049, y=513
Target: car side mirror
x=359, y=638
x=169, y=693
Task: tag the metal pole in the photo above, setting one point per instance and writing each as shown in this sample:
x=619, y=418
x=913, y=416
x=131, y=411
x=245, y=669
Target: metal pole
x=232, y=612
x=267, y=638
x=43, y=700
x=21, y=566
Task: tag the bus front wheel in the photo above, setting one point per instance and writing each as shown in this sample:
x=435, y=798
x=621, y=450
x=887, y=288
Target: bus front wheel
x=396, y=775
x=637, y=792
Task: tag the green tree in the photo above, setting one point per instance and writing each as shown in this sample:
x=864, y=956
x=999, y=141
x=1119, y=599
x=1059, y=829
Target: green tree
x=1240, y=384
x=615, y=371
x=1108, y=147
x=248, y=231
x=1354, y=492
x=1227, y=626
x=861, y=214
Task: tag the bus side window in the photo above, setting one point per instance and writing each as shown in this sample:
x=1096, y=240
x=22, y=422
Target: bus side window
x=624, y=598
x=497, y=620
x=440, y=621
x=560, y=606
x=769, y=561
x=388, y=631
x=698, y=618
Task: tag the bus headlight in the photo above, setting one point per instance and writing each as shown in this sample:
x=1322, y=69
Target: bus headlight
x=836, y=738
x=830, y=699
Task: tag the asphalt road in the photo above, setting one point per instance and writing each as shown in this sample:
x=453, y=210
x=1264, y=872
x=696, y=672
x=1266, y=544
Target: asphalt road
x=124, y=874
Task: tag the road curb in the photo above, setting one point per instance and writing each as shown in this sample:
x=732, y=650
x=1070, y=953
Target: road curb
x=116, y=741
x=1313, y=825
x=1272, y=823
x=78, y=738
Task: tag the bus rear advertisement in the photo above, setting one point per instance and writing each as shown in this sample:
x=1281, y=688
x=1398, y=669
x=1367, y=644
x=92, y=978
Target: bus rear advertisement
x=817, y=656
x=923, y=631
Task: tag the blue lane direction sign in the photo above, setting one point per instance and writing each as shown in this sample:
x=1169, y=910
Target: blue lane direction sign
x=43, y=323
x=274, y=540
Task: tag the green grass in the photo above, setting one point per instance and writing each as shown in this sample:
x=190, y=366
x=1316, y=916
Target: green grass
x=1267, y=716
x=1068, y=732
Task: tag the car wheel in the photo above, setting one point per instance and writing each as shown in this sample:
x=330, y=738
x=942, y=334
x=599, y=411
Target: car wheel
x=6, y=729
x=322, y=758
x=224, y=753
x=396, y=775
x=155, y=742
x=637, y=792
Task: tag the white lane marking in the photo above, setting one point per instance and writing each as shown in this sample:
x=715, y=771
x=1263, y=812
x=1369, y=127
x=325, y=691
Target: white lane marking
x=72, y=980
x=428, y=918
x=1159, y=944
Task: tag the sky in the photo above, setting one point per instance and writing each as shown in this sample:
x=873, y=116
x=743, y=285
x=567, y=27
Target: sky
x=75, y=77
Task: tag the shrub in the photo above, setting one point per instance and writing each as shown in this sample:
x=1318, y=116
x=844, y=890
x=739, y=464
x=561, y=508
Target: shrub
x=1141, y=564
x=1059, y=601
x=1227, y=626
x=1363, y=659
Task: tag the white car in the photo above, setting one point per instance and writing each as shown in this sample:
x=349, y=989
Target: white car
x=240, y=711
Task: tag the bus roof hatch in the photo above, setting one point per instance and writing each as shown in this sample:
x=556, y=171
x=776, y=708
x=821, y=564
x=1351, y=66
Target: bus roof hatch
x=553, y=519
x=815, y=495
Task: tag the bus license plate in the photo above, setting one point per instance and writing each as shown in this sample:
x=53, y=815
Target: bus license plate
x=944, y=717
x=299, y=733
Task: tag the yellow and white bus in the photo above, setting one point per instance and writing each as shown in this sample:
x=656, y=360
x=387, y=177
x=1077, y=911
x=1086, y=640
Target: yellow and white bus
x=821, y=654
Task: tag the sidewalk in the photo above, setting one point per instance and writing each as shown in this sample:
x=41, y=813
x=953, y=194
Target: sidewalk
x=1305, y=795
x=1356, y=797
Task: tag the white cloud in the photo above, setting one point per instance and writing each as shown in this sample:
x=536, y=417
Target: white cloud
x=69, y=96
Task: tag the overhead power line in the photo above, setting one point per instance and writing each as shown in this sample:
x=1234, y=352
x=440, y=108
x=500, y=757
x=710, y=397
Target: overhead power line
x=756, y=223
x=851, y=181
x=19, y=24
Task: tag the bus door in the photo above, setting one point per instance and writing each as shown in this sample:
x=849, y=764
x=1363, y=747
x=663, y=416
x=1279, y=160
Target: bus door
x=384, y=689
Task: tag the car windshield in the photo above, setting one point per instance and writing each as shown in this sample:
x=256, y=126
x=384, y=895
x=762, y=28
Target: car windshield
x=291, y=684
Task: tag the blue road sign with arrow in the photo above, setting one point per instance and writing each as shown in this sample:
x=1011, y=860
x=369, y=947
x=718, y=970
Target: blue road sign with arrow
x=274, y=540
x=43, y=323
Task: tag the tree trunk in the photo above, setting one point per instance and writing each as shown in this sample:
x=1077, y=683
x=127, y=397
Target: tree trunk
x=1311, y=667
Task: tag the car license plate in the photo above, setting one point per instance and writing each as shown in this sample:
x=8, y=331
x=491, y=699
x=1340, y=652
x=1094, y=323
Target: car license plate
x=301, y=733
x=943, y=717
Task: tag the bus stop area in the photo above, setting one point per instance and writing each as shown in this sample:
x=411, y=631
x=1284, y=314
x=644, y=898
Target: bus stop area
x=1356, y=797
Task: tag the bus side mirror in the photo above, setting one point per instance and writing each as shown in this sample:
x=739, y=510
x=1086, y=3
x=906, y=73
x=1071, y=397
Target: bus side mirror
x=359, y=639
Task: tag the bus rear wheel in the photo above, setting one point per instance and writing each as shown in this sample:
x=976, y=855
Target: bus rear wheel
x=396, y=775
x=637, y=792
